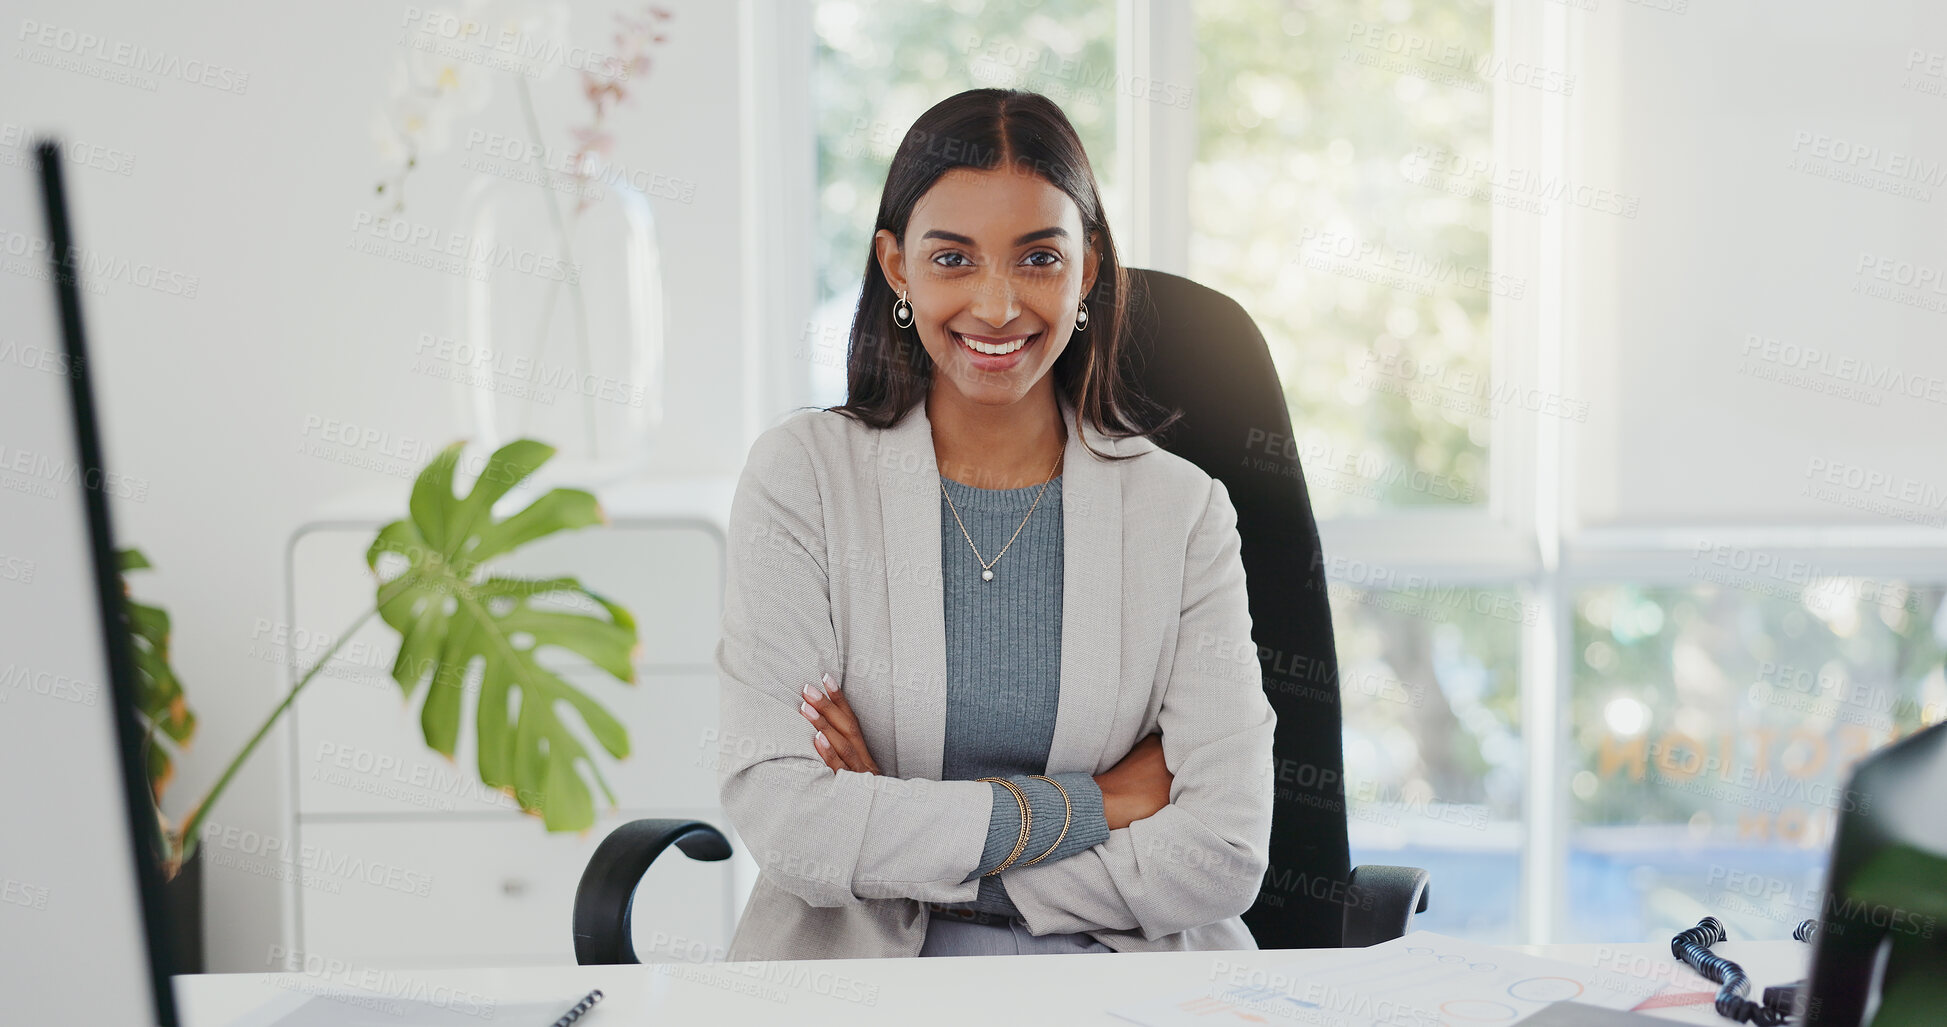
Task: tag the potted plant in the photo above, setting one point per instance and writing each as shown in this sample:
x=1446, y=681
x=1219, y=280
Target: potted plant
x=434, y=587
x=168, y=726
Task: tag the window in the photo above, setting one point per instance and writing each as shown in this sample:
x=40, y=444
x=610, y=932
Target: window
x=1713, y=723
x=1317, y=202
x=1434, y=764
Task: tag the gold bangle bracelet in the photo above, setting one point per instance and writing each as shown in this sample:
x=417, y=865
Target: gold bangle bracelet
x=1067, y=814
x=1027, y=823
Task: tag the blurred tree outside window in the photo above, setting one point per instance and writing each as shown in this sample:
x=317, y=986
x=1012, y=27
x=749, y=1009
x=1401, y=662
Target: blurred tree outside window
x=1307, y=205
x=1713, y=727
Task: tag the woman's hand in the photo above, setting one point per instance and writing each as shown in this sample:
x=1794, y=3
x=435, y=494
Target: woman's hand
x=1138, y=786
x=838, y=738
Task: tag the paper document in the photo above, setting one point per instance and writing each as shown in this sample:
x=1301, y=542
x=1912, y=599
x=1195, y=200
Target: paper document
x=1421, y=980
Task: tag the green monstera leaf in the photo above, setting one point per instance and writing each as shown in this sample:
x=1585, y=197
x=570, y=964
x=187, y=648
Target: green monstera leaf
x=453, y=617
x=159, y=698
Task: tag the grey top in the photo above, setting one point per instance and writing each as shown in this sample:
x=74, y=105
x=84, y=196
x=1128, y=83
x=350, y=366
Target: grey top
x=1003, y=663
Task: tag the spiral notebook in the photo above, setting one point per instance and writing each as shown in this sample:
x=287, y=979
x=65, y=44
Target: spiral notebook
x=346, y=1007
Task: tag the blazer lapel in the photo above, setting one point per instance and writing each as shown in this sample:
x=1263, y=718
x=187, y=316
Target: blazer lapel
x=909, y=508
x=1091, y=601
x=1091, y=634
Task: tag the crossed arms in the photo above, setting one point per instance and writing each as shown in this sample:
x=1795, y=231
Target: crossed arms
x=838, y=838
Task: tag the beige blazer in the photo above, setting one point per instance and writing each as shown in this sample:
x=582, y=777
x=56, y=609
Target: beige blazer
x=834, y=565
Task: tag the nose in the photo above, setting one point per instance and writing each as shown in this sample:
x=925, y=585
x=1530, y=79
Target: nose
x=994, y=300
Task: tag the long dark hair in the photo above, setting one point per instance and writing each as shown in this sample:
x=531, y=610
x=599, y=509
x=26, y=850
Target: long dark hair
x=888, y=370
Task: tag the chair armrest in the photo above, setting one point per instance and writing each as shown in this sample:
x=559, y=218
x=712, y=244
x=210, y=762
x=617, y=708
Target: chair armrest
x=607, y=889
x=1397, y=893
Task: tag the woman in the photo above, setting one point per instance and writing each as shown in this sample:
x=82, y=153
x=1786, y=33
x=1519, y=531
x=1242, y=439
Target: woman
x=987, y=677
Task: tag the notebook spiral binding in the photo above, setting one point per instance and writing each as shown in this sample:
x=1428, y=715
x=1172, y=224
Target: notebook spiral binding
x=588, y=1001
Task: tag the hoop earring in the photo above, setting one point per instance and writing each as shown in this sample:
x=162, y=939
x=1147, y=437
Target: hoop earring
x=901, y=308
x=1081, y=318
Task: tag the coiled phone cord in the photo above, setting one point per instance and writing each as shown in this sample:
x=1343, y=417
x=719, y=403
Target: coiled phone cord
x=1693, y=948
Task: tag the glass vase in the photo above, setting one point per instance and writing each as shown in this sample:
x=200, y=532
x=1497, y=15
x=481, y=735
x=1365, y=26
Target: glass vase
x=560, y=321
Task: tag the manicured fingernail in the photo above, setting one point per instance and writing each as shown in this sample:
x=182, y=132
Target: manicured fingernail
x=811, y=693
x=808, y=711
x=822, y=740
x=830, y=685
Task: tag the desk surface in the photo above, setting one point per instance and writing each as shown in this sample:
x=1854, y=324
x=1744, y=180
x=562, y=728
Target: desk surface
x=995, y=990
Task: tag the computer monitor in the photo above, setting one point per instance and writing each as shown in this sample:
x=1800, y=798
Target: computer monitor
x=1882, y=937
x=81, y=936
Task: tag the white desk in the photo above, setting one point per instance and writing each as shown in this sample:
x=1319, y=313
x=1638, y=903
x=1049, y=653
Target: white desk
x=1053, y=989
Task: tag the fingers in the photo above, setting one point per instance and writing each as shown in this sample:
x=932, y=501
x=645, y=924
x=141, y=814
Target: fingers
x=839, y=712
x=846, y=749
x=843, y=742
x=826, y=753
x=841, y=732
x=860, y=756
x=821, y=742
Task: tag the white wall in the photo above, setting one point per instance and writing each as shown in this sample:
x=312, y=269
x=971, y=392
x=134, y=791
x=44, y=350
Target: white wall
x=1700, y=114
x=206, y=398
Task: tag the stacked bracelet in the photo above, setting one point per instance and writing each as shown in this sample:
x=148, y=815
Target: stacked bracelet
x=1027, y=820
x=1027, y=823
x=1067, y=814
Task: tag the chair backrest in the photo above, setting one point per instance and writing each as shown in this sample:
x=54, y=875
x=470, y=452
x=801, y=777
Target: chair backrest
x=1197, y=351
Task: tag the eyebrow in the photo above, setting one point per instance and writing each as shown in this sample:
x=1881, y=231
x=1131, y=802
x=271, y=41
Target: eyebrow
x=1042, y=233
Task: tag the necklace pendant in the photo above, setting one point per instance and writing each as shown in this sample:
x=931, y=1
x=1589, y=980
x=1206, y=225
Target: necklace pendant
x=986, y=575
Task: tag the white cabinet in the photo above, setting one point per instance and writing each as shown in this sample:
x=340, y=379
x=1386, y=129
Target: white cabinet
x=491, y=891
x=410, y=861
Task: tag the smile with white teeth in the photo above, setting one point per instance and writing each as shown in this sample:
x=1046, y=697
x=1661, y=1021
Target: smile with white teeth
x=991, y=349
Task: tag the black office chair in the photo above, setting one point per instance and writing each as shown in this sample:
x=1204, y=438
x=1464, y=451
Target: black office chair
x=1217, y=370
x=1214, y=366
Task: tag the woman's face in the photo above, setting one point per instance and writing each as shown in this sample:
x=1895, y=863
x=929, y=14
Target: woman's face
x=992, y=260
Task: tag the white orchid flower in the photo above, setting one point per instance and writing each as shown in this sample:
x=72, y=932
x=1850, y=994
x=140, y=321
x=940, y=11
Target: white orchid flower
x=421, y=104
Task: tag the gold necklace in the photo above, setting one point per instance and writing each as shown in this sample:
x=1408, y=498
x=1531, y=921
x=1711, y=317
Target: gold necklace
x=987, y=567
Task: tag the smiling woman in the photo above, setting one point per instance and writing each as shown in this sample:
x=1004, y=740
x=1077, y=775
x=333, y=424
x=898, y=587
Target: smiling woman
x=1024, y=752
